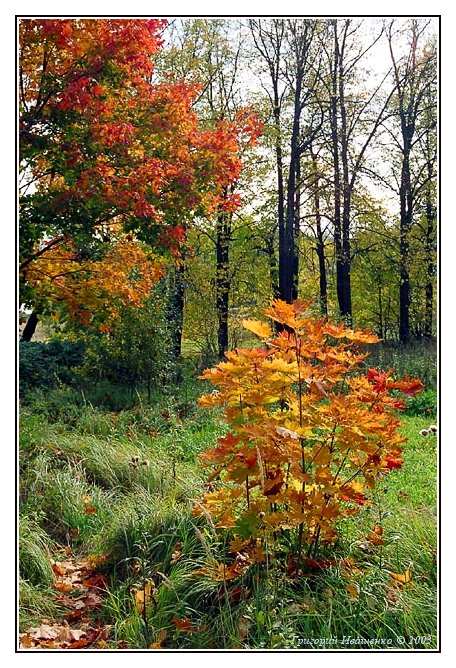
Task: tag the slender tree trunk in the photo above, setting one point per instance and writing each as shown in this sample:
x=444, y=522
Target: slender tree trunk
x=429, y=307
x=273, y=268
x=30, y=327
x=288, y=260
x=345, y=264
x=320, y=247
x=380, y=312
x=340, y=140
x=223, y=282
x=323, y=286
x=405, y=197
x=296, y=230
x=404, y=289
x=282, y=273
x=430, y=265
x=176, y=307
x=387, y=327
x=337, y=178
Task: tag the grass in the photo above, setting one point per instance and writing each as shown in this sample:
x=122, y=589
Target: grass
x=138, y=469
x=35, y=604
x=35, y=547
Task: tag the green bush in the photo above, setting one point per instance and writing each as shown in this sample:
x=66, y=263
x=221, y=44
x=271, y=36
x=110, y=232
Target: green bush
x=48, y=364
x=423, y=404
x=136, y=352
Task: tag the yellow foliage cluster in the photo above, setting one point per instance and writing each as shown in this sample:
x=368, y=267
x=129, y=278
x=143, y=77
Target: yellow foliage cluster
x=123, y=277
x=311, y=431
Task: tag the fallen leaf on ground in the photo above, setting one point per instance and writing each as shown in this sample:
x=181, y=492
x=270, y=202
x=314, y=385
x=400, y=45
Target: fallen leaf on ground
x=71, y=575
x=376, y=535
x=392, y=595
x=184, y=624
x=243, y=627
x=95, y=581
x=63, y=586
x=143, y=596
x=26, y=641
x=44, y=632
x=95, y=560
x=176, y=555
x=74, y=615
x=92, y=600
x=353, y=591
x=58, y=569
x=402, y=578
x=159, y=639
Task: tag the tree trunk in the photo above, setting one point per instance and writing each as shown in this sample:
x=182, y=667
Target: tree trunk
x=288, y=258
x=430, y=265
x=345, y=265
x=273, y=268
x=320, y=247
x=322, y=277
x=280, y=195
x=380, y=312
x=404, y=290
x=429, y=293
x=296, y=231
x=337, y=187
x=30, y=327
x=405, y=197
x=223, y=281
x=176, y=308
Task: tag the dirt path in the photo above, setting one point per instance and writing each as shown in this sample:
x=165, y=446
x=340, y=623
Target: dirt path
x=79, y=591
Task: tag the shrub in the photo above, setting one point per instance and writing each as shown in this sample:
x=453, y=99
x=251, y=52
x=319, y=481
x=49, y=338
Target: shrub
x=136, y=349
x=425, y=404
x=47, y=364
x=59, y=404
x=310, y=435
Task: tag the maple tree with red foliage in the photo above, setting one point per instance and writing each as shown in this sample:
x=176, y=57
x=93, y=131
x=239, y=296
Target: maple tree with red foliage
x=311, y=432
x=104, y=143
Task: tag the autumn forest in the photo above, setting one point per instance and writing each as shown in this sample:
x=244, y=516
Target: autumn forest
x=227, y=323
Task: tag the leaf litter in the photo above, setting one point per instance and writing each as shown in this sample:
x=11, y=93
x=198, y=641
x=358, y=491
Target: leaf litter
x=79, y=592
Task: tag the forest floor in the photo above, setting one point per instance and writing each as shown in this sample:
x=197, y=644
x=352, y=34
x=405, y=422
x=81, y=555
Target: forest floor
x=111, y=556
x=78, y=594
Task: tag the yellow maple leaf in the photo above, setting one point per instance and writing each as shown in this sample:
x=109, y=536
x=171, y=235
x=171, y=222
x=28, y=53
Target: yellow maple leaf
x=402, y=578
x=259, y=328
x=353, y=591
x=143, y=596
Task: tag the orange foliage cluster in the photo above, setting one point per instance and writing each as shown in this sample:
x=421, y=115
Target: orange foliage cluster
x=125, y=276
x=111, y=146
x=310, y=431
x=136, y=145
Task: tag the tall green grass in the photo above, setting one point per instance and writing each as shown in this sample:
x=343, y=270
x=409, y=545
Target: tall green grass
x=140, y=470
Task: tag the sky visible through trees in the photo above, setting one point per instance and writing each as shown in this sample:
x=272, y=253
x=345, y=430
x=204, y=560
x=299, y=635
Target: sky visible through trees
x=333, y=197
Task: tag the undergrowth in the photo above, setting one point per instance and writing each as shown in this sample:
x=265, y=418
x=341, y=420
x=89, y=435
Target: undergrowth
x=121, y=486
